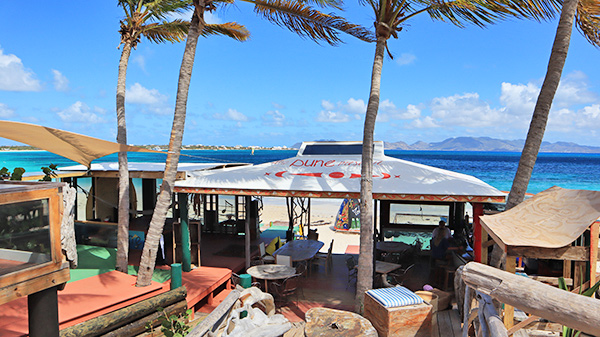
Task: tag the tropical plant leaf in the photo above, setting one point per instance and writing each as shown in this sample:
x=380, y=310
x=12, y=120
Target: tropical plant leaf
x=174, y=31
x=231, y=29
x=308, y=22
x=588, y=20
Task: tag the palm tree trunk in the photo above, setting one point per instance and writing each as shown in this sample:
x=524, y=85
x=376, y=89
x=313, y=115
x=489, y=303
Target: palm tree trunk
x=166, y=189
x=539, y=120
x=364, y=279
x=123, y=227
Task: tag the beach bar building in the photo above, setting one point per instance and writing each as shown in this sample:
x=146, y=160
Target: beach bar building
x=333, y=170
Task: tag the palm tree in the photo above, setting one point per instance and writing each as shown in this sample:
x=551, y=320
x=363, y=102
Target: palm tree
x=390, y=15
x=587, y=15
x=297, y=17
x=141, y=18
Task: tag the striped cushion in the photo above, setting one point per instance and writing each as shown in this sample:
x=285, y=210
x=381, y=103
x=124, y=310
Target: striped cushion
x=397, y=296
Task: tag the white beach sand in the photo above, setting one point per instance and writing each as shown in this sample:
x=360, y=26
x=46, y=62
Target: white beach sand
x=322, y=218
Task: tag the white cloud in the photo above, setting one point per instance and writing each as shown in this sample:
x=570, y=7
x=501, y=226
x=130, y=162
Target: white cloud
x=405, y=58
x=327, y=105
x=273, y=118
x=328, y=116
x=424, y=123
x=14, y=76
x=61, y=83
x=519, y=99
x=355, y=106
x=5, y=111
x=79, y=112
x=465, y=110
x=152, y=98
x=231, y=115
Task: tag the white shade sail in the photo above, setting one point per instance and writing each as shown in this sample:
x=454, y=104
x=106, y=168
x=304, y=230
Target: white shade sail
x=338, y=176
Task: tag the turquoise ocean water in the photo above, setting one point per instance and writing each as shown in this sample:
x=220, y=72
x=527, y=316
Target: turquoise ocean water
x=577, y=171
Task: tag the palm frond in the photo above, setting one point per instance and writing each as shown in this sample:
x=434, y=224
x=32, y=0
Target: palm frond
x=174, y=31
x=231, y=29
x=485, y=12
x=588, y=20
x=160, y=9
x=308, y=22
x=337, y=4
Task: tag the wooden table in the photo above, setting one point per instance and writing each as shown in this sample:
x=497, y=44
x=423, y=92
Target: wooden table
x=270, y=272
x=300, y=250
x=382, y=267
x=392, y=246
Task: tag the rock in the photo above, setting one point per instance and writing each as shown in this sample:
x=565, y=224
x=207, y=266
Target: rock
x=324, y=322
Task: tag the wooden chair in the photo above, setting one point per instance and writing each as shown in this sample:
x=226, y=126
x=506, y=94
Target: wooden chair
x=284, y=260
x=326, y=258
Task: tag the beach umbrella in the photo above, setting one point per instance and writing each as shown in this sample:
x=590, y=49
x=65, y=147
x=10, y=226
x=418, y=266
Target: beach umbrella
x=79, y=148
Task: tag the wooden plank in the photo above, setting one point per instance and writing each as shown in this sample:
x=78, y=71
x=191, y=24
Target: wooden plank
x=573, y=253
x=444, y=323
x=456, y=324
x=550, y=280
x=33, y=285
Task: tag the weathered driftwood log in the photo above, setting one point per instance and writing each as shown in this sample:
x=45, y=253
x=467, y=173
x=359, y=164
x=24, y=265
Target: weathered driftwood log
x=491, y=321
x=113, y=320
x=575, y=311
x=216, y=316
x=137, y=327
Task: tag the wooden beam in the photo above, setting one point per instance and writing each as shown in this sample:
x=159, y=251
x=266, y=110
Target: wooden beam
x=487, y=244
x=563, y=253
x=594, y=229
x=550, y=280
x=573, y=310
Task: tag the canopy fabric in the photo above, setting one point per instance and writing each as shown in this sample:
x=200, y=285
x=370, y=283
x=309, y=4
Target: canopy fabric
x=79, y=148
x=338, y=176
x=553, y=218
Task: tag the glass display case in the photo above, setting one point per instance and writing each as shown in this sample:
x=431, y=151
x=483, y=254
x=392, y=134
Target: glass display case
x=30, y=242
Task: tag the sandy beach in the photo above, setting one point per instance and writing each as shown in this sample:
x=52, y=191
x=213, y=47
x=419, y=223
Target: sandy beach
x=322, y=217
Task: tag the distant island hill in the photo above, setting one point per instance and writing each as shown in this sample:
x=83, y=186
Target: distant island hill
x=474, y=144
x=485, y=144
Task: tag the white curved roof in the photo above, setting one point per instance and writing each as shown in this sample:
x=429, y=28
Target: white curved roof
x=338, y=176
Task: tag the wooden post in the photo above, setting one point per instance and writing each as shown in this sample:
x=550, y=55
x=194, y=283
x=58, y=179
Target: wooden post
x=186, y=254
x=477, y=212
x=484, y=249
x=573, y=310
x=594, y=228
x=43, y=313
x=509, y=311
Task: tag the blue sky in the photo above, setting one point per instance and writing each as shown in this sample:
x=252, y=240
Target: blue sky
x=58, y=68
